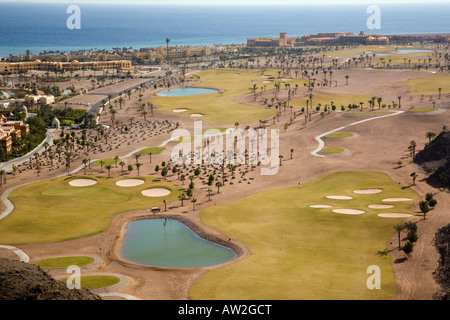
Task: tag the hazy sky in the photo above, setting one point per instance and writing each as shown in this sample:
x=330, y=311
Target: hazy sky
x=233, y=2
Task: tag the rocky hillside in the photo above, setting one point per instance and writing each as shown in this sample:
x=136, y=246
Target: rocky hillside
x=442, y=274
x=24, y=281
x=436, y=156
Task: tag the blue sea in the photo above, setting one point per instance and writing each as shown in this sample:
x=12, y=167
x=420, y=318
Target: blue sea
x=42, y=26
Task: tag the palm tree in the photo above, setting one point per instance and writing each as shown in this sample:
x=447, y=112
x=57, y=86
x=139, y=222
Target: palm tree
x=280, y=157
x=292, y=151
x=412, y=148
x=209, y=194
x=430, y=135
x=101, y=165
x=167, y=49
x=193, y=203
x=116, y=159
x=108, y=167
x=399, y=228
x=137, y=156
x=122, y=164
x=346, y=79
x=414, y=177
x=85, y=162
x=218, y=185
x=440, y=90
x=182, y=197
x=138, y=166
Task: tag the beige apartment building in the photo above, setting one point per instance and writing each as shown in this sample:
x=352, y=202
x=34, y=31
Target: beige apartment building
x=16, y=67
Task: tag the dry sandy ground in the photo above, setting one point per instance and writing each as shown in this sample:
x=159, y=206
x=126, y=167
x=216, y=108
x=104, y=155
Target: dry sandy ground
x=380, y=145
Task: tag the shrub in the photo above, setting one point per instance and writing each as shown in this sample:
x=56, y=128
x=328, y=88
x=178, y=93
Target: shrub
x=432, y=203
x=428, y=196
x=412, y=236
x=408, y=247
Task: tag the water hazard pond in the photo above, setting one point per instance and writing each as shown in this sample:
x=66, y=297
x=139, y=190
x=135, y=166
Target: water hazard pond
x=170, y=243
x=181, y=92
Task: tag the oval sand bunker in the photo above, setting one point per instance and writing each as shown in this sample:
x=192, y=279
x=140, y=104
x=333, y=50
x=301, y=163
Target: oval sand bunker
x=196, y=115
x=348, y=211
x=180, y=110
x=156, y=192
x=340, y=197
x=394, y=215
x=367, y=191
x=396, y=199
x=381, y=206
x=82, y=182
x=129, y=182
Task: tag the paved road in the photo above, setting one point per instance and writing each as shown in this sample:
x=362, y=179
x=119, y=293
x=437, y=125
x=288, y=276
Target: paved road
x=322, y=144
x=7, y=165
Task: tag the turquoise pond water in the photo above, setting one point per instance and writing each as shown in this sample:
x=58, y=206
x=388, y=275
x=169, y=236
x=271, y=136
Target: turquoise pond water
x=412, y=50
x=181, y=92
x=170, y=243
x=403, y=51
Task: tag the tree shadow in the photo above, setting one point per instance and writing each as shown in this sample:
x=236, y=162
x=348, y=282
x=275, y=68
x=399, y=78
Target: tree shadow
x=400, y=260
x=383, y=253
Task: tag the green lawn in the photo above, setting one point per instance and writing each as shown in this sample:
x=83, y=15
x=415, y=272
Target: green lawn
x=152, y=150
x=332, y=150
x=423, y=110
x=64, y=262
x=222, y=108
x=109, y=161
x=298, y=252
x=96, y=282
x=429, y=85
x=52, y=210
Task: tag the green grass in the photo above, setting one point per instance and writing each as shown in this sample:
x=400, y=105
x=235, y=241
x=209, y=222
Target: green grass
x=297, y=252
x=109, y=161
x=429, y=85
x=152, y=150
x=423, y=110
x=222, y=108
x=332, y=150
x=96, y=282
x=339, y=135
x=63, y=262
x=52, y=210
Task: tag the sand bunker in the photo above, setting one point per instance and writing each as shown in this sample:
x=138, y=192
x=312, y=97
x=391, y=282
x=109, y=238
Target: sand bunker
x=396, y=199
x=368, y=191
x=156, y=192
x=129, y=182
x=348, y=211
x=196, y=115
x=340, y=197
x=321, y=206
x=394, y=215
x=381, y=206
x=82, y=182
x=180, y=110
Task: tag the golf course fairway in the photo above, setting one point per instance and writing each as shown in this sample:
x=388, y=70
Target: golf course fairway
x=299, y=252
